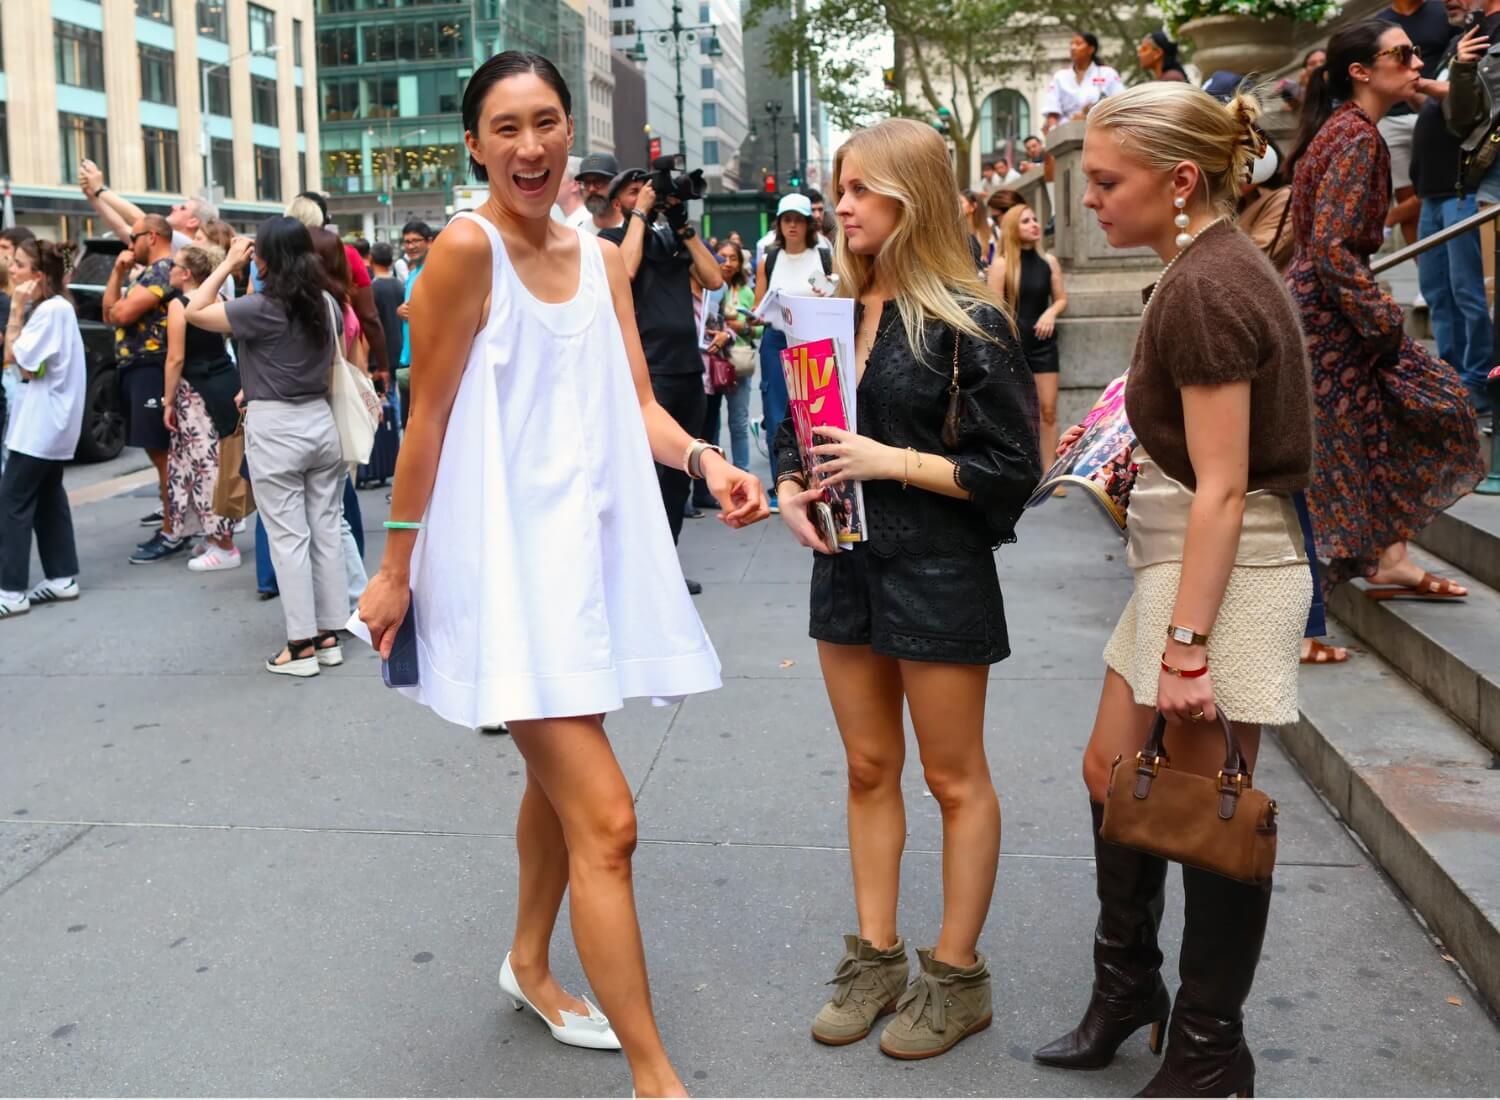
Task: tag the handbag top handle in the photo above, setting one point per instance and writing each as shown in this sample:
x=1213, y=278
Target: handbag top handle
x=1233, y=777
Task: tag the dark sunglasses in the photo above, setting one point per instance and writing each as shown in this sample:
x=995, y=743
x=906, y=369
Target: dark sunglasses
x=143, y=233
x=1404, y=54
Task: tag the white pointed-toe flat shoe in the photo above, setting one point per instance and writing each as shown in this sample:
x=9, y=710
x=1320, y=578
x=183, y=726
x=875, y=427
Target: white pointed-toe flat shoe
x=591, y=1031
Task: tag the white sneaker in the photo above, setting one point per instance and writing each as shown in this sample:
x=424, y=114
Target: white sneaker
x=13, y=604
x=51, y=590
x=591, y=1031
x=216, y=558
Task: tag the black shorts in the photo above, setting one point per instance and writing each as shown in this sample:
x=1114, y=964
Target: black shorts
x=143, y=426
x=914, y=607
x=1041, y=355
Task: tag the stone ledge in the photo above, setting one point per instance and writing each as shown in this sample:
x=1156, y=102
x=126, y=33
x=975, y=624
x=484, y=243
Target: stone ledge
x=1468, y=535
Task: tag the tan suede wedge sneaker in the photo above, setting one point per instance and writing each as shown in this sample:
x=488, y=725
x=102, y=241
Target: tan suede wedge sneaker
x=941, y=1007
x=867, y=984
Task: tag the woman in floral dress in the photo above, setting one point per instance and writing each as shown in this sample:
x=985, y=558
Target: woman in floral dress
x=1397, y=440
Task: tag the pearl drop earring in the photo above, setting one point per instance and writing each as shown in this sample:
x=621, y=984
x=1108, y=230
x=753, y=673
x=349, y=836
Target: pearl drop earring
x=1181, y=221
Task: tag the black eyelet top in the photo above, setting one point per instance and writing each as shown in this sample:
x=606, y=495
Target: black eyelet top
x=902, y=401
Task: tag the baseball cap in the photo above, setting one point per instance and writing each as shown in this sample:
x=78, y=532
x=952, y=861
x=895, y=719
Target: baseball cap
x=598, y=164
x=629, y=176
x=795, y=204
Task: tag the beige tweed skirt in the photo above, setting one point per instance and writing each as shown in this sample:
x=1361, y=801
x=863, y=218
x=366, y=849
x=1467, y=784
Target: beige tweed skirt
x=1253, y=648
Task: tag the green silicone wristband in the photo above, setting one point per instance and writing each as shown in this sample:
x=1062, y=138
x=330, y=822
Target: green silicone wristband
x=399, y=525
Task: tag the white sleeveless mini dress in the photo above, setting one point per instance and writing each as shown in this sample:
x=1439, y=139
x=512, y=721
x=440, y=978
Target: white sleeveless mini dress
x=546, y=583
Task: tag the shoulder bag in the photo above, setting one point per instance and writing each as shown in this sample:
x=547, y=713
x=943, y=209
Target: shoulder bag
x=352, y=396
x=1221, y=825
x=952, y=419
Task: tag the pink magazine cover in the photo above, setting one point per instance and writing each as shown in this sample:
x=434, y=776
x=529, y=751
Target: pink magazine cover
x=1100, y=459
x=816, y=399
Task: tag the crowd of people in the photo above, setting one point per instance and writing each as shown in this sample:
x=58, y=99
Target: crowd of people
x=561, y=419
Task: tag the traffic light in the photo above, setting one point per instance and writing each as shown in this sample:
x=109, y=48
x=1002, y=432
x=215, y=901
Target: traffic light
x=795, y=181
x=770, y=184
x=382, y=199
x=889, y=77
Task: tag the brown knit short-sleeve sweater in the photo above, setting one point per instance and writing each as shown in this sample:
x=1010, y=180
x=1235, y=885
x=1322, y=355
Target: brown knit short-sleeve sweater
x=1222, y=314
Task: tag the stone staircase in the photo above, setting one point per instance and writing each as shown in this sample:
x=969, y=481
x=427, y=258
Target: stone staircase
x=1404, y=739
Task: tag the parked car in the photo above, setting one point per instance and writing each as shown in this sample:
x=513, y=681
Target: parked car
x=104, y=414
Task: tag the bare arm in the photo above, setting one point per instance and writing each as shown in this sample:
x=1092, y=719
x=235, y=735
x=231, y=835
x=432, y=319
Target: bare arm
x=995, y=277
x=135, y=305
x=633, y=247
x=204, y=309
x=176, y=356
x=1059, y=288
x=760, y=282
x=705, y=264
x=363, y=301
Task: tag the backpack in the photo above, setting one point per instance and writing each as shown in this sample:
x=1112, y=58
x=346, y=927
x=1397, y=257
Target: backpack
x=775, y=250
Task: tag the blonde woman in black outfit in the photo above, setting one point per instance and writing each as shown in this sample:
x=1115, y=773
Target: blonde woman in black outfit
x=914, y=614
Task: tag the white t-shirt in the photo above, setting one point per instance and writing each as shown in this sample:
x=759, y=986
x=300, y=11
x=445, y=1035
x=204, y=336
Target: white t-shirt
x=792, y=272
x=1066, y=94
x=582, y=219
x=824, y=244
x=47, y=417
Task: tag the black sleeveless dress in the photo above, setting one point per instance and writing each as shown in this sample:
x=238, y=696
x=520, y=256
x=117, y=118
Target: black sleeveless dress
x=1033, y=298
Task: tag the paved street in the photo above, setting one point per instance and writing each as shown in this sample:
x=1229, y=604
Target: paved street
x=217, y=882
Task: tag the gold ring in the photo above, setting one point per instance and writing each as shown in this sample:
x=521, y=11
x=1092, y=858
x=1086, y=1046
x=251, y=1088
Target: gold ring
x=1196, y=716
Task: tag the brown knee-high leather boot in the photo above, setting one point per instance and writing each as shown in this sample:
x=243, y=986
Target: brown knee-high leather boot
x=1128, y=991
x=1221, y=939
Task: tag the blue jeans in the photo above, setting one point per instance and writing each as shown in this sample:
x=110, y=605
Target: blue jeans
x=1452, y=280
x=773, y=395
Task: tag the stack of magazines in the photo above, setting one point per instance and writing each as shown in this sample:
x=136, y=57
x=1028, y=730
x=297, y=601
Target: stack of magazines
x=1099, y=460
x=817, y=383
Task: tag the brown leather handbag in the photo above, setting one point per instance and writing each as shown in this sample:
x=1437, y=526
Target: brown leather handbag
x=1223, y=825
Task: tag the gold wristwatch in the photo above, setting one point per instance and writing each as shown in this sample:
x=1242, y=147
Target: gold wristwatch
x=1184, y=635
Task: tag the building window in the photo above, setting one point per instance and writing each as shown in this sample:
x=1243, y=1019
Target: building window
x=4, y=141
x=221, y=154
x=80, y=56
x=161, y=160
x=216, y=78
x=423, y=40
x=297, y=42
x=267, y=173
x=158, y=76
x=711, y=151
x=212, y=21
x=340, y=100
x=263, y=100
x=338, y=46
x=160, y=10
x=297, y=98
x=710, y=114
x=301, y=171
x=262, y=27
x=1004, y=121
x=708, y=77
x=83, y=138
x=703, y=13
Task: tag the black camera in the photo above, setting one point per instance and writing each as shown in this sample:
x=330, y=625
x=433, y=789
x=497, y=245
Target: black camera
x=685, y=186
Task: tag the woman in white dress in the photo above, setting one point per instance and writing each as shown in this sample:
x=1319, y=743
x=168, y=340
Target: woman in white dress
x=543, y=578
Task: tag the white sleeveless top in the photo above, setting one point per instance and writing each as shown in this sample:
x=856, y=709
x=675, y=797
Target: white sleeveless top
x=546, y=583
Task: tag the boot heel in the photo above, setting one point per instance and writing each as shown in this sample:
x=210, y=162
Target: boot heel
x=1158, y=1036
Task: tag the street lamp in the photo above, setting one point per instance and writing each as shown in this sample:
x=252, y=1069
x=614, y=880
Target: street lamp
x=773, y=110
x=678, y=37
x=208, y=147
x=393, y=147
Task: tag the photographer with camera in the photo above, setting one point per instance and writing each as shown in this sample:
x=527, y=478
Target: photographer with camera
x=663, y=254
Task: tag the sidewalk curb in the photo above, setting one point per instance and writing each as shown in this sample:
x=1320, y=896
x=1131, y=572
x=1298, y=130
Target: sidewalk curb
x=115, y=486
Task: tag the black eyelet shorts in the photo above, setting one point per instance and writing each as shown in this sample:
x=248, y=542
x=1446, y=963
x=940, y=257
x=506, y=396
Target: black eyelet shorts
x=912, y=607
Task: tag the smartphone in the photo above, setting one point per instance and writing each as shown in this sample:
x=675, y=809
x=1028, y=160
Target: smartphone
x=401, y=669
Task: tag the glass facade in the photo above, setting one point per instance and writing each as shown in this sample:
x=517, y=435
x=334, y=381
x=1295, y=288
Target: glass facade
x=213, y=22
x=160, y=10
x=218, y=89
x=82, y=138
x=391, y=75
x=263, y=101
x=158, y=76
x=262, y=27
x=162, y=165
x=79, y=52
x=267, y=173
x=221, y=153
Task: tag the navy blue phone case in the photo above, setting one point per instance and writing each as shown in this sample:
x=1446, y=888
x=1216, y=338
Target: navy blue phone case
x=402, y=668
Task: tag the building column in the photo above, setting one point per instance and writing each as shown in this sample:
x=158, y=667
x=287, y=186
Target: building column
x=239, y=101
x=189, y=91
x=31, y=92
x=122, y=86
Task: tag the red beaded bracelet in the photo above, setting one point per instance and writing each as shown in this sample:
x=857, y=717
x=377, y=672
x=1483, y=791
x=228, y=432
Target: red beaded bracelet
x=1186, y=674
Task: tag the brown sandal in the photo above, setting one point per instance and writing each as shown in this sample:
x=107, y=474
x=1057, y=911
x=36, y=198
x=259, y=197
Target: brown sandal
x=1322, y=654
x=1430, y=587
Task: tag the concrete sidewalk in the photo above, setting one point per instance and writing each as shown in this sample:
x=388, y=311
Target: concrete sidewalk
x=217, y=882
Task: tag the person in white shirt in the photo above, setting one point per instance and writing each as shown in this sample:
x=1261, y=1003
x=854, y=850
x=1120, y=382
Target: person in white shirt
x=43, y=342
x=1072, y=91
x=568, y=208
x=815, y=204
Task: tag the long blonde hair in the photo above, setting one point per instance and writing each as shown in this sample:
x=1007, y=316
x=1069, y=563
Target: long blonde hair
x=925, y=263
x=1163, y=123
x=1011, y=249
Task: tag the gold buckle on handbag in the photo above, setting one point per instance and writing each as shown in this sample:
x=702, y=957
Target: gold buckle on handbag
x=1141, y=759
x=1238, y=780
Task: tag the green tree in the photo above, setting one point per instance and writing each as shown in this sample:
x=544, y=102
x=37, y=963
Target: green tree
x=950, y=53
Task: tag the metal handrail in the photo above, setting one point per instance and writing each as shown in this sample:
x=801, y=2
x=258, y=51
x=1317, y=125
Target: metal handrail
x=1442, y=236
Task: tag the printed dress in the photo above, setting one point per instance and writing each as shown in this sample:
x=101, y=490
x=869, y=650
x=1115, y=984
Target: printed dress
x=1396, y=440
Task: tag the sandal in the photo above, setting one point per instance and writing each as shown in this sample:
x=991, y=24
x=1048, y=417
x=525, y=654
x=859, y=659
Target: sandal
x=1430, y=587
x=302, y=659
x=1323, y=654
x=330, y=653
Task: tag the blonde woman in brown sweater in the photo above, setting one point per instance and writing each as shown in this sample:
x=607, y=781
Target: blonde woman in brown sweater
x=1219, y=399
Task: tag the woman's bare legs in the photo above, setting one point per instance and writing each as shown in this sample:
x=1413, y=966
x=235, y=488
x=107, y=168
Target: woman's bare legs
x=1046, y=398
x=1396, y=568
x=947, y=709
x=1120, y=729
x=865, y=691
x=543, y=857
x=572, y=763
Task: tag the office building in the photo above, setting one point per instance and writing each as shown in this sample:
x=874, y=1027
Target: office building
x=779, y=137
x=136, y=85
x=391, y=77
x=722, y=86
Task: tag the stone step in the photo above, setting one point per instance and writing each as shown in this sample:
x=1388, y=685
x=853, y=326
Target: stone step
x=1421, y=793
x=1468, y=535
x=1451, y=650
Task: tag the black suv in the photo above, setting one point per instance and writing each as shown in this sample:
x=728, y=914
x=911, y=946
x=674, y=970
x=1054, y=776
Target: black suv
x=103, y=412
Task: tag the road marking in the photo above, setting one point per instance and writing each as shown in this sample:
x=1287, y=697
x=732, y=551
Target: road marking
x=115, y=486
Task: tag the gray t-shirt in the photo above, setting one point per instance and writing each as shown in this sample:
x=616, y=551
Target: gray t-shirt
x=278, y=360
